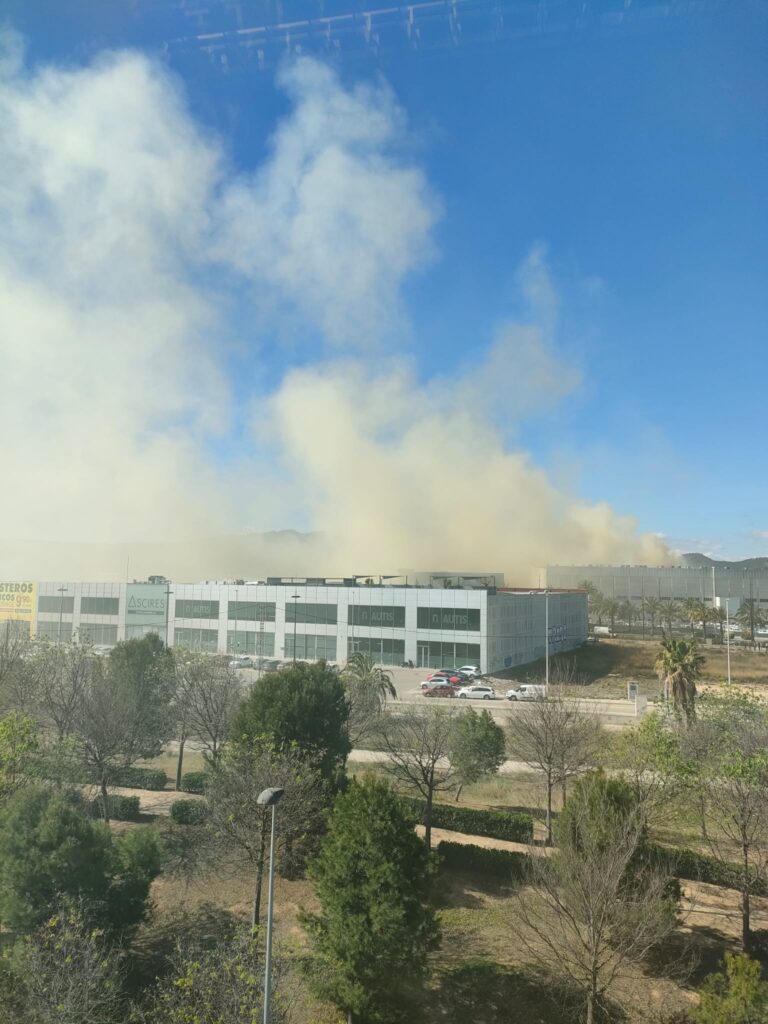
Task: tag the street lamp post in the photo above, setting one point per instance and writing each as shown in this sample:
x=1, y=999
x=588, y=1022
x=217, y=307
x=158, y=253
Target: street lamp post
x=728, y=639
x=61, y=592
x=294, y=598
x=269, y=798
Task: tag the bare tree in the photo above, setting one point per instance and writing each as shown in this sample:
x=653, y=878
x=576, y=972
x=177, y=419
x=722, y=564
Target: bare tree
x=419, y=746
x=208, y=692
x=590, y=912
x=242, y=824
x=557, y=737
x=14, y=649
x=125, y=714
x=59, y=679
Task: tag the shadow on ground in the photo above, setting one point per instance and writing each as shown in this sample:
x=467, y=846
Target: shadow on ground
x=485, y=992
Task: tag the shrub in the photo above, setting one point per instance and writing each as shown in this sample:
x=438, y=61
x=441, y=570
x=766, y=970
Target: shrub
x=189, y=812
x=194, y=782
x=139, y=778
x=700, y=867
x=466, y=857
x=121, y=808
x=515, y=828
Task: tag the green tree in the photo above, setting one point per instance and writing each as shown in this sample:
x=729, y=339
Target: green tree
x=18, y=752
x=750, y=616
x=374, y=928
x=671, y=613
x=50, y=848
x=369, y=687
x=718, y=617
x=691, y=609
x=736, y=995
x=477, y=747
x=610, y=608
x=304, y=706
x=679, y=665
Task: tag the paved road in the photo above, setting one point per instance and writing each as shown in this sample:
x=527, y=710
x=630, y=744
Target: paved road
x=379, y=757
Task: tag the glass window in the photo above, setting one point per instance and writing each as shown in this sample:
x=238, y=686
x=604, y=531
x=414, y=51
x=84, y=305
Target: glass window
x=435, y=654
x=461, y=619
x=55, y=603
x=197, y=609
x=143, y=629
x=98, y=633
x=50, y=631
x=251, y=611
x=391, y=616
x=201, y=640
x=383, y=650
x=308, y=613
x=258, y=643
x=311, y=647
x=99, y=605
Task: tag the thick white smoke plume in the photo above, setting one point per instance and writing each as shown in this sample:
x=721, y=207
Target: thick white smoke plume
x=129, y=249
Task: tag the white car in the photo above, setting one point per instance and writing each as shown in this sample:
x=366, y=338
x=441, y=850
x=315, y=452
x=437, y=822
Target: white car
x=470, y=671
x=477, y=693
x=526, y=691
x=242, y=662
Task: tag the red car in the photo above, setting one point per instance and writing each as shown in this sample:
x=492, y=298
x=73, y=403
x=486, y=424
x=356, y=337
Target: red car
x=440, y=691
x=448, y=674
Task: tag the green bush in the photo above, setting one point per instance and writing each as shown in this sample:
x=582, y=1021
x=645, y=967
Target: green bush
x=700, y=867
x=139, y=778
x=194, y=782
x=500, y=863
x=515, y=828
x=121, y=808
x=189, y=812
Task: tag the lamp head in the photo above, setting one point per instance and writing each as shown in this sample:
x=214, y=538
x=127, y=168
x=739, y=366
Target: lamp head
x=269, y=797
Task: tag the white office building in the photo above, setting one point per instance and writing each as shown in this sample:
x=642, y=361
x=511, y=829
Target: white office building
x=432, y=626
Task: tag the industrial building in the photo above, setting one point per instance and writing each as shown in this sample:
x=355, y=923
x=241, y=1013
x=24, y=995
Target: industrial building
x=713, y=584
x=432, y=626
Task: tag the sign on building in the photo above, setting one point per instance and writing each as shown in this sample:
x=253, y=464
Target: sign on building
x=17, y=603
x=145, y=609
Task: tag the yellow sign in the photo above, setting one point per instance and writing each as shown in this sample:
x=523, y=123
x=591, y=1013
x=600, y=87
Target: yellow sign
x=17, y=602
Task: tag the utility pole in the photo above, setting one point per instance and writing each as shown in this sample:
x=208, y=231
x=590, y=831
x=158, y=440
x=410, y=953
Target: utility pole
x=295, y=598
x=546, y=642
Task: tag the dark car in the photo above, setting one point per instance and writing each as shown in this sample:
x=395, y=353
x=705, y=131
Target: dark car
x=441, y=690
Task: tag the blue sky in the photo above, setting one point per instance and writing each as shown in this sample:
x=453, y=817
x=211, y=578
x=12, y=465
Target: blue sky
x=635, y=163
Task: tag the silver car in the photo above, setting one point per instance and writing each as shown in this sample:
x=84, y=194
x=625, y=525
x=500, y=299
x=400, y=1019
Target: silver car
x=477, y=693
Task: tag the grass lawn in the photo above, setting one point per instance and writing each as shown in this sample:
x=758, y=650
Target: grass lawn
x=602, y=669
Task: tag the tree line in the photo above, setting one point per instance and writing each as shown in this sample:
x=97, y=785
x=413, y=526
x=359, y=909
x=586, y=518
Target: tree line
x=75, y=892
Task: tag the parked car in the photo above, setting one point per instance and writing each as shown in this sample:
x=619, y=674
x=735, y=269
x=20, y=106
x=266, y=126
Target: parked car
x=527, y=691
x=477, y=693
x=435, y=680
x=441, y=690
x=241, y=662
x=272, y=666
x=452, y=674
x=470, y=671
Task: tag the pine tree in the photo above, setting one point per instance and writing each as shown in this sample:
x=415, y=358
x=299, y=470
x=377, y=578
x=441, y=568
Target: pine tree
x=375, y=927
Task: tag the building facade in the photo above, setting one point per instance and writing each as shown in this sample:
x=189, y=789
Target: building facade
x=430, y=626
x=712, y=584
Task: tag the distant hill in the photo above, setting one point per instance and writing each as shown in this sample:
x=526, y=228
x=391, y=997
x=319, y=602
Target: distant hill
x=694, y=560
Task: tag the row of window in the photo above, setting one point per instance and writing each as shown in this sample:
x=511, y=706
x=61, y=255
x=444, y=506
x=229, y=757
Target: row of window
x=375, y=616
x=383, y=650
x=260, y=644
x=436, y=654
x=311, y=647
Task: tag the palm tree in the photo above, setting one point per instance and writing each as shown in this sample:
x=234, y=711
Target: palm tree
x=750, y=616
x=679, y=665
x=610, y=607
x=654, y=607
x=690, y=609
x=718, y=616
x=369, y=686
x=670, y=612
x=627, y=611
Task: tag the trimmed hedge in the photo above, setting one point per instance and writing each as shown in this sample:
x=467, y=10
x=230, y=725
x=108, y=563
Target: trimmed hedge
x=189, y=812
x=700, y=867
x=515, y=828
x=466, y=857
x=139, y=778
x=121, y=808
x=194, y=782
